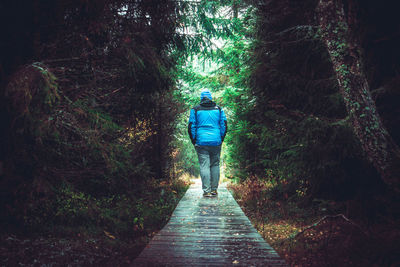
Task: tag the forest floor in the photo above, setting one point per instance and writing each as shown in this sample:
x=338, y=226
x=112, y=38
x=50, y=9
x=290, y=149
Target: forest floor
x=315, y=236
x=83, y=246
x=67, y=251
x=303, y=236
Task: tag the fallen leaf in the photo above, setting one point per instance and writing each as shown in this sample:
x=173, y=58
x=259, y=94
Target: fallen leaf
x=109, y=235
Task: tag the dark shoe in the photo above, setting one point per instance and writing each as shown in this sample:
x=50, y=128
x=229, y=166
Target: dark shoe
x=214, y=192
x=205, y=194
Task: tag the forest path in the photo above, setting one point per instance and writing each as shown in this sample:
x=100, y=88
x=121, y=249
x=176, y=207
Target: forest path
x=208, y=232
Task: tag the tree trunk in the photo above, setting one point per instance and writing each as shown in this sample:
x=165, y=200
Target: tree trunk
x=376, y=142
x=235, y=8
x=36, y=26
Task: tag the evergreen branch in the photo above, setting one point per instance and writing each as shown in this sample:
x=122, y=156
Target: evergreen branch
x=297, y=28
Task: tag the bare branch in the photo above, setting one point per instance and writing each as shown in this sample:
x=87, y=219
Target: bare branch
x=329, y=217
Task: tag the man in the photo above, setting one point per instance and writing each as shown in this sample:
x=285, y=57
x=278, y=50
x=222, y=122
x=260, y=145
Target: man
x=207, y=130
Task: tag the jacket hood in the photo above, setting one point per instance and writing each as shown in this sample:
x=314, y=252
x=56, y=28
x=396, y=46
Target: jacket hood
x=206, y=93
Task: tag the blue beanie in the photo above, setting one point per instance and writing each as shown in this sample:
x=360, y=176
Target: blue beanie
x=205, y=93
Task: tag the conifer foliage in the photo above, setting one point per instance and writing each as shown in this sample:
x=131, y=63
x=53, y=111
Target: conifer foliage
x=87, y=94
x=295, y=125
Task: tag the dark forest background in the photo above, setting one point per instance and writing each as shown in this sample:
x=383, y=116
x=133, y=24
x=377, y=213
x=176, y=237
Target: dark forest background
x=94, y=102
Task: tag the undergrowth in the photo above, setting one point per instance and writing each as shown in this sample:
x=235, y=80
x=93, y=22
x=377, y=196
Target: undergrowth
x=87, y=231
x=318, y=234
x=125, y=216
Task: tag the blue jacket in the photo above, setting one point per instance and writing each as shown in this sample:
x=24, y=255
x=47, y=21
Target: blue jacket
x=207, y=124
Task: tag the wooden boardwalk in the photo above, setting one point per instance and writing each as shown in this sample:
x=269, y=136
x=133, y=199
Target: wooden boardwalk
x=208, y=232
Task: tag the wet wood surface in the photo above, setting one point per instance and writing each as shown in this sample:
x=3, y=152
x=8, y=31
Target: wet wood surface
x=208, y=232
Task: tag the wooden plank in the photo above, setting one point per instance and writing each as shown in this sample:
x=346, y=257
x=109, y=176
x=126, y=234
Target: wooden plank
x=208, y=232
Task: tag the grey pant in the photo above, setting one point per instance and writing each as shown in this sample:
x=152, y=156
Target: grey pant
x=209, y=166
